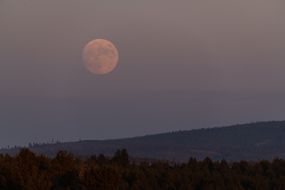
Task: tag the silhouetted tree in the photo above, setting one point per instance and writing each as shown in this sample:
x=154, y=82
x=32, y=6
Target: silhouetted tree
x=29, y=171
x=121, y=157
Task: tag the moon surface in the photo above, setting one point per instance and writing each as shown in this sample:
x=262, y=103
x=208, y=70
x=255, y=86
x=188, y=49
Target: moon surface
x=100, y=56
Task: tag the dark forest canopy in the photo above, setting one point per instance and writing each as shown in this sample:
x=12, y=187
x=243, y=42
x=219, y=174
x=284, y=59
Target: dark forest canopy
x=29, y=171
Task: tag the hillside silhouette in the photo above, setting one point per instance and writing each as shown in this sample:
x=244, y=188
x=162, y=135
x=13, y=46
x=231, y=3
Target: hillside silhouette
x=254, y=141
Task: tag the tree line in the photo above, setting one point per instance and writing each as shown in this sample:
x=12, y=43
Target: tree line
x=30, y=171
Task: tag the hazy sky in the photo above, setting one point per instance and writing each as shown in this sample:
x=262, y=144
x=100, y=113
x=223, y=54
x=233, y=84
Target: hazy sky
x=184, y=64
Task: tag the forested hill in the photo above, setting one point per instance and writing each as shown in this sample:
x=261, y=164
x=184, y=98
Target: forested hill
x=254, y=141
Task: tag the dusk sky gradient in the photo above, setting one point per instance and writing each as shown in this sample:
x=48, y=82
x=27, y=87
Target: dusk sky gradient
x=184, y=64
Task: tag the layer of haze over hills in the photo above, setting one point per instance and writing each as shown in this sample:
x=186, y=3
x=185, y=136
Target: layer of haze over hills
x=254, y=141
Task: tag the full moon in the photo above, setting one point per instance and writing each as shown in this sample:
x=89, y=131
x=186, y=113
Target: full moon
x=100, y=56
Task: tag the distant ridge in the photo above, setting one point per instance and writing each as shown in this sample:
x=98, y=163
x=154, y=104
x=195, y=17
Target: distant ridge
x=253, y=141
